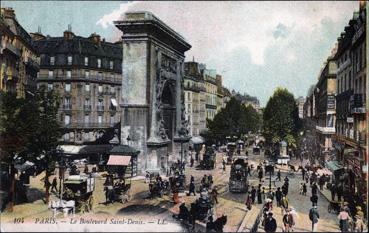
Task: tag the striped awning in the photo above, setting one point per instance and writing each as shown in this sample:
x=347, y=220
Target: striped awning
x=119, y=160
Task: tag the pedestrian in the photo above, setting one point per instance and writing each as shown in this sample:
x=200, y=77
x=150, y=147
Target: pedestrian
x=304, y=189
x=270, y=225
x=192, y=189
x=54, y=185
x=285, y=189
x=278, y=196
x=286, y=180
x=192, y=161
x=321, y=182
x=263, y=193
x=333, y=192
x=294, y=217
x=303, y=173
x=147, y=177
x=86, y=171
x=314, y=199
x=214, y=195
x=359, y=224
x=344, y=218
x=210, y=180
x=284, y=203
x=314, y=189
x=314, y=217
x=287, y=221
x=224, y=165
x=279, y=175
x=260, y=174
x=253, y=194
x=248, y=201
x=258, y=193
x=301, y=188
x=192, y=179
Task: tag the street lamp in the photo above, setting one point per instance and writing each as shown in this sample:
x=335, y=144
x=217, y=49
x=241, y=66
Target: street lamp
x=167, y=164
x=62, y=166
x=128, y=140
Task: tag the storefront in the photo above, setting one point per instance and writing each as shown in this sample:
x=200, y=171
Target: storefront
x=128, y=158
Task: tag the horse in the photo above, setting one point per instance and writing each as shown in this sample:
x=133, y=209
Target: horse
x=217, y=225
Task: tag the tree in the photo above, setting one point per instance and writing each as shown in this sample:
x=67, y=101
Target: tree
x=280, y=118
x=233, y=120
x=44, y=141
x=28, y=129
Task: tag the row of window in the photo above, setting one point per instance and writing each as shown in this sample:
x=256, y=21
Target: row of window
x=87, y=74
x=100, y=102
x=346, y=83
x=67, y=119
x=86, y=62
x=67, y=87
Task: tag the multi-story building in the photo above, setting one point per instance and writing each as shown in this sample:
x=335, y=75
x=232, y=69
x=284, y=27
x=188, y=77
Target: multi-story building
x=193, y=91
x=211, y=93
x=218, y=80
x=300, y=105
x=87, y=74
x=18, y=59
x=325, y=92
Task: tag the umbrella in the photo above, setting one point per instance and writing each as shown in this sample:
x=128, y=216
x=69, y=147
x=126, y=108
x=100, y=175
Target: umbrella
x=197, y=140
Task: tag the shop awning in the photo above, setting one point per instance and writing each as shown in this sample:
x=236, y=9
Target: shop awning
x=123, y=150
x=70, y=149
x=350, y=151
x=119, y=160
x=114, y=102
x=333, y=165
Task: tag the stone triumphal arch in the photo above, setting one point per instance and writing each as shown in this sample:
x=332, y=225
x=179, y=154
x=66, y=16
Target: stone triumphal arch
x=153, y=102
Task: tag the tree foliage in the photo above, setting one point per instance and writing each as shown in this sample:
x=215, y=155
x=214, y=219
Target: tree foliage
x=280, y=118
x=233, y=120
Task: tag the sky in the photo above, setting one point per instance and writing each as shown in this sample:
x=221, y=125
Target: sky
x=255, y=46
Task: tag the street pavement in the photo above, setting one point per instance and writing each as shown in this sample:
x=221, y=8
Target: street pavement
x=141, y=207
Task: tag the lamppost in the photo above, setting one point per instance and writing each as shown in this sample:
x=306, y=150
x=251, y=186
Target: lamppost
x=62, y=166
x=167, y=164
x=128, y=140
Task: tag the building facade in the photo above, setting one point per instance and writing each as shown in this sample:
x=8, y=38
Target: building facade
x=18, y=59
x=325, y=92
x=87, y=75
x=219, y=82
x=194, y=105
x=211, y=93
x=300, y=105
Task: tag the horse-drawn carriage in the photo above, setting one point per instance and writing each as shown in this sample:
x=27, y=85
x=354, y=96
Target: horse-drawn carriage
x=80, y=189
x=117, y=191
x=231, y=148
x=204, y=207
x=208, y=161
x=238, y=178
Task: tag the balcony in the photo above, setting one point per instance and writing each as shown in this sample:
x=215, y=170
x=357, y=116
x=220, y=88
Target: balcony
x=357, y=103
x=100, y=108
x=91, y=125
x=67, y=107
x=12, y=49
x=32, y=64
x=82, y=78
x=326, y=130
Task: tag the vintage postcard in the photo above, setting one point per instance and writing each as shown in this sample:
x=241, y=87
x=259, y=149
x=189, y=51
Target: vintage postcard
x=183, y=116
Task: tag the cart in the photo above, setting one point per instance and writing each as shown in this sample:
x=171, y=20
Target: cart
x=208, y=161
x=80, y=189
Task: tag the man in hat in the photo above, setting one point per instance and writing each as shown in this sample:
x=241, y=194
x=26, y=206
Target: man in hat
x=313, y=216
x=287, y=221
x=270, y=225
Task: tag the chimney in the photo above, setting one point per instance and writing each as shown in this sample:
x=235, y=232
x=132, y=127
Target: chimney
x=95, y=38
x=8, y=12
x=68, y=34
